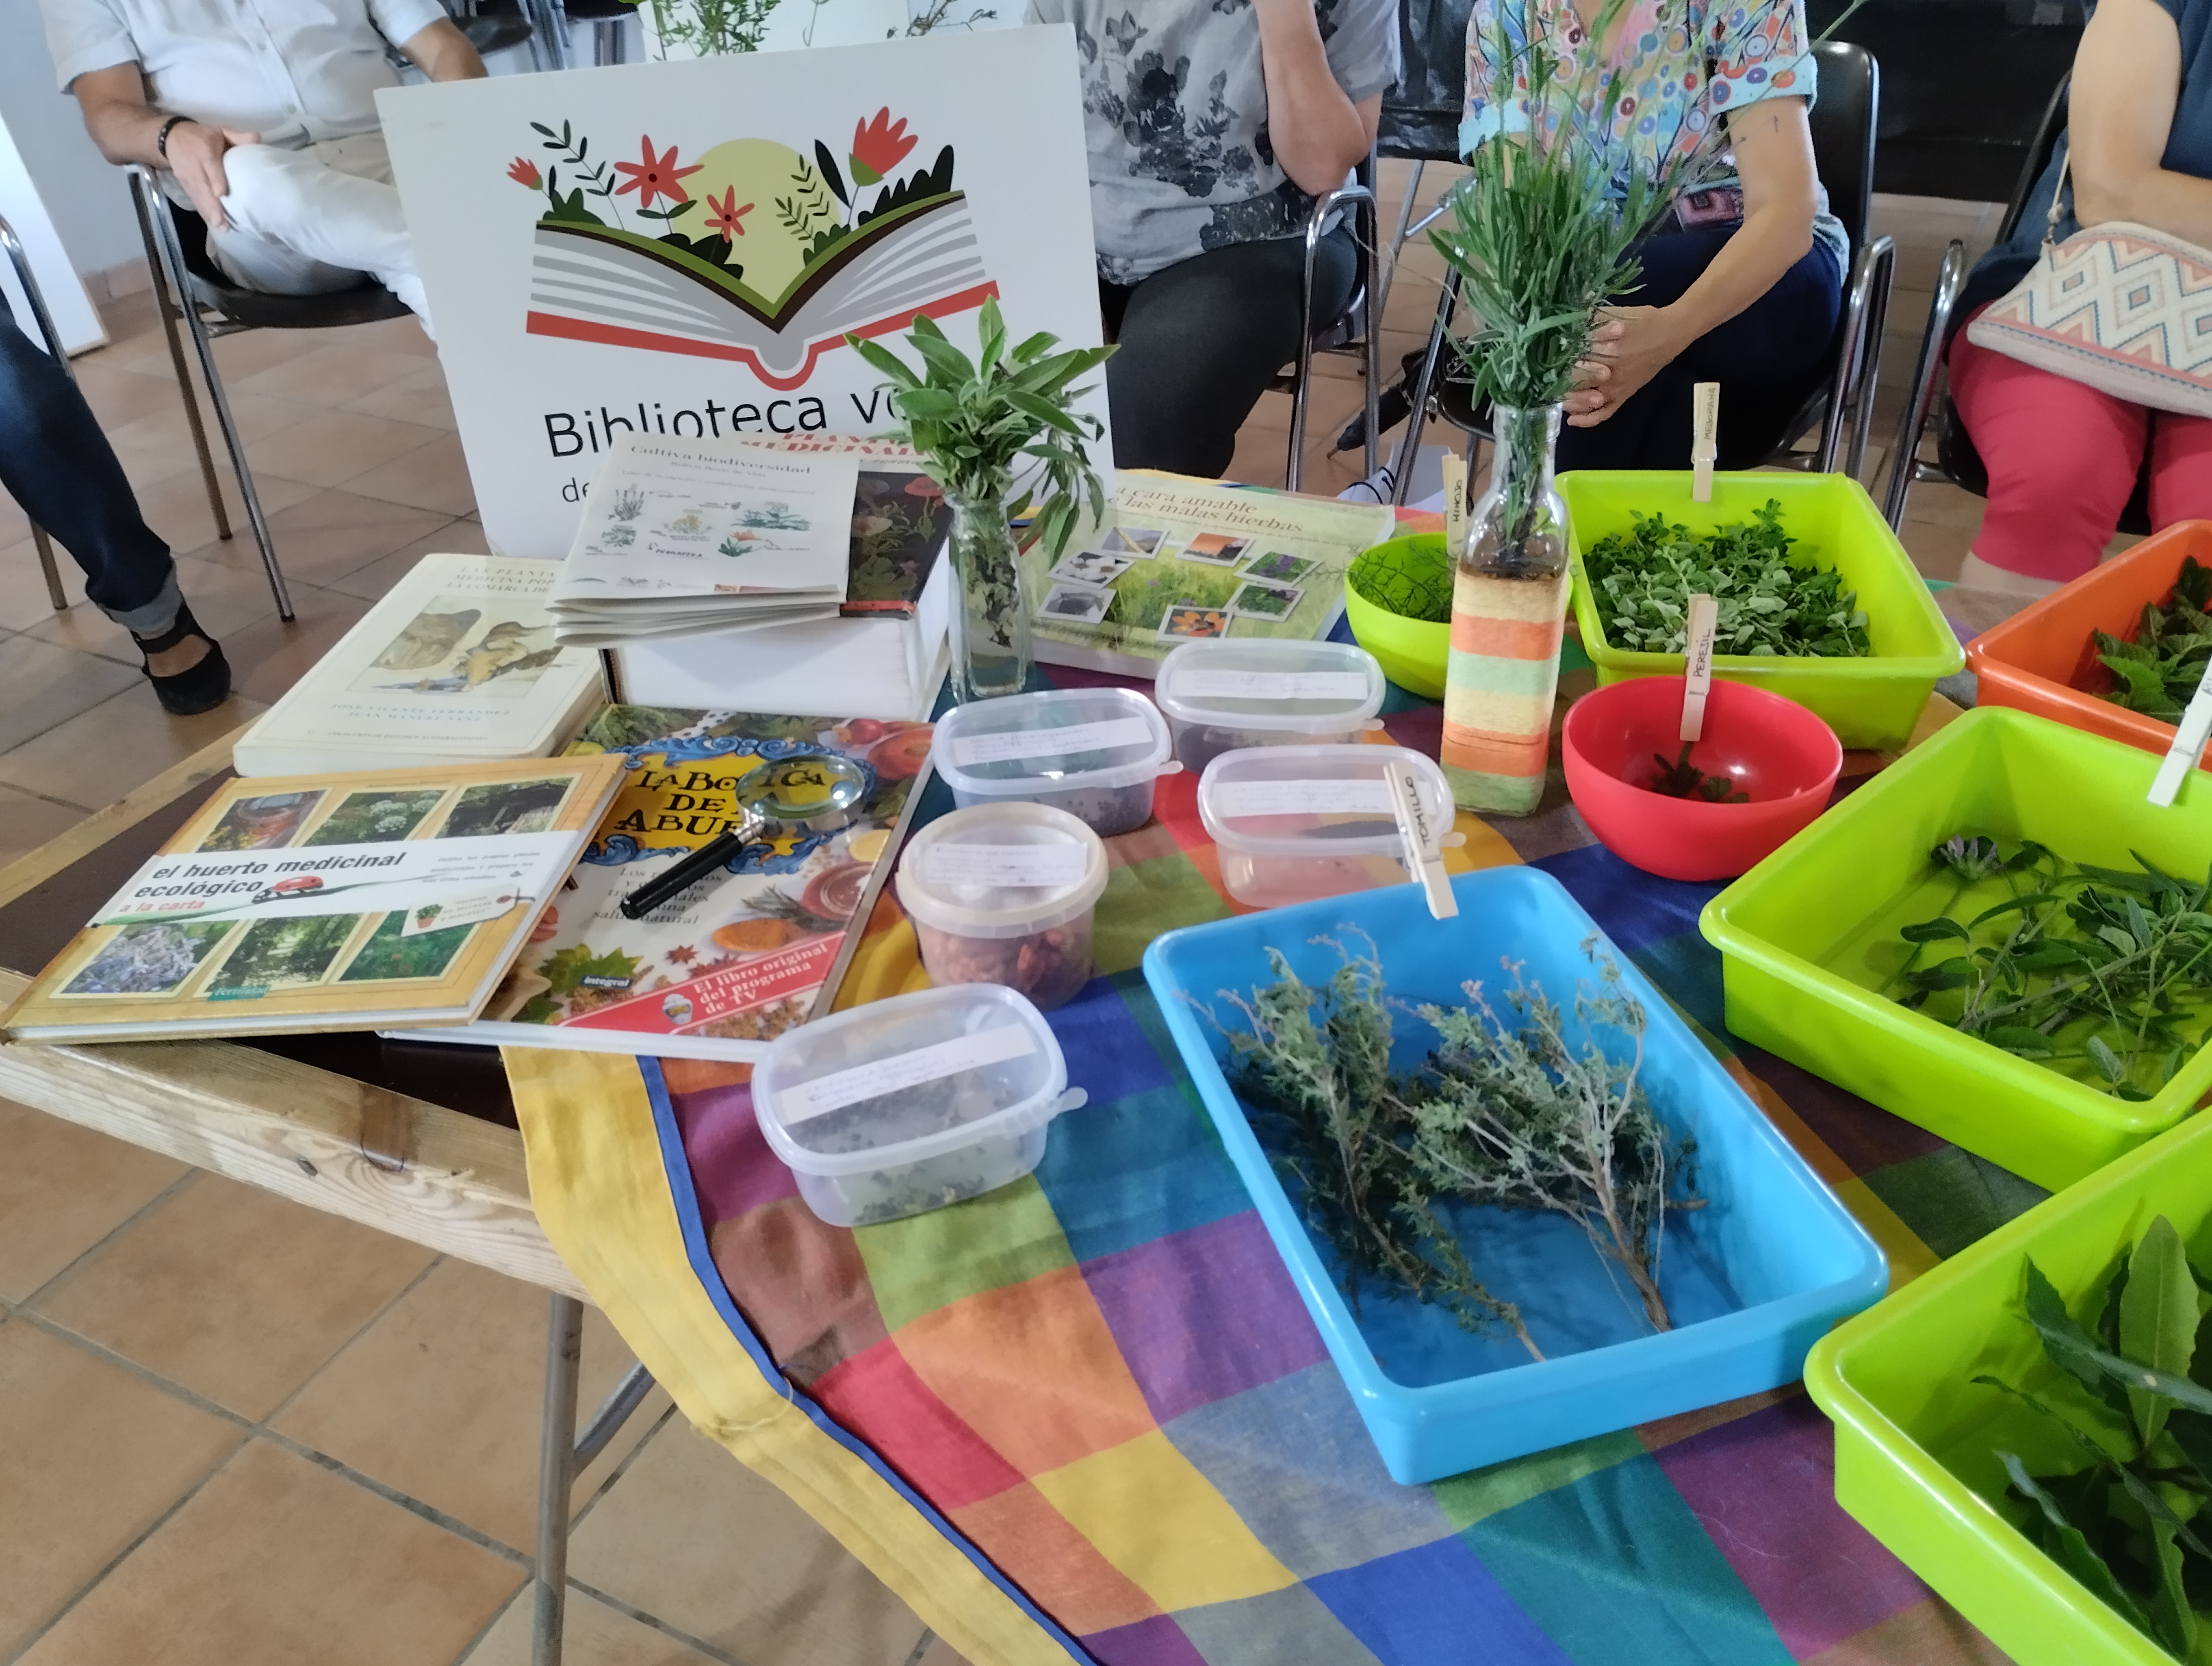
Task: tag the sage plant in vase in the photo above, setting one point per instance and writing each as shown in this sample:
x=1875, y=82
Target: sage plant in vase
x=978, y=423
x=1541, y=235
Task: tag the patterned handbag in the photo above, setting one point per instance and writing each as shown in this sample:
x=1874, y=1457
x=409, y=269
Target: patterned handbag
x=2121, y=307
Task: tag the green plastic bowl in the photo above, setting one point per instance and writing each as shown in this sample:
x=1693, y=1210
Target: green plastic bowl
x=1795, y=936
x=1870, y=703
x=1914, y=1433
x=1412, y=652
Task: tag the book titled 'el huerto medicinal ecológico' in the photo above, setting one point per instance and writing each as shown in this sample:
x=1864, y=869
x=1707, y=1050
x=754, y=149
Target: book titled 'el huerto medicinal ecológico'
x=382, y=900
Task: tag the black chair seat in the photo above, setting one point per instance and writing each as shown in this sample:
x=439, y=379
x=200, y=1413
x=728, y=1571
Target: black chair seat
x=365, y=302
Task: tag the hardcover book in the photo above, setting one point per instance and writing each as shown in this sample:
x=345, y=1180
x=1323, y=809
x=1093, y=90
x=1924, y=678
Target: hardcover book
x=760, y=945
x=1178, y=559
x=380, y=900
x=457, y=662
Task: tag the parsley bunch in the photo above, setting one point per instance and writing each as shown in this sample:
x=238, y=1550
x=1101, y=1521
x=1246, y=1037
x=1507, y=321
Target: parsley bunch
x=1642, y=580
x=2157, y=670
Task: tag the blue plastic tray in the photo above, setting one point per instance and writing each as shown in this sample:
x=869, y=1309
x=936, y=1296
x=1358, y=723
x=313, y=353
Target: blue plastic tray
x=1752, y=1278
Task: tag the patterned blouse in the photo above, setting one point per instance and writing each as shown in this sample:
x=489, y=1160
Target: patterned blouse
x=1681, y=66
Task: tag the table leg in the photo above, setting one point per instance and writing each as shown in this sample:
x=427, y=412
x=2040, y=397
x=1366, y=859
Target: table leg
x=556, y=1471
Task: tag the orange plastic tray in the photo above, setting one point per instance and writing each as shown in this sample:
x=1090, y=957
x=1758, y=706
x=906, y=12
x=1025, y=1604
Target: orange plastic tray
x=2042, y=660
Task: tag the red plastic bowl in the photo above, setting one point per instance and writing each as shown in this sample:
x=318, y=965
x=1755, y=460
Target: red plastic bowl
x=1783, y=755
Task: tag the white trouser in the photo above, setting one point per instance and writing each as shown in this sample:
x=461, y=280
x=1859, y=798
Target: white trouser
x=311, y=220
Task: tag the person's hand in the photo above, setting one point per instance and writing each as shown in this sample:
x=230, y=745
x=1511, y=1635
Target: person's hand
x=1628, y=350
x=195, y=157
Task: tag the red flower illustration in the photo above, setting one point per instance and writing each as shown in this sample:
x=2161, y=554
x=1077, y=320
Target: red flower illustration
x=654, y=177
x=524, y=172
x=922, y=486
x=879, y=146
x=725, y=219
x=684, y=954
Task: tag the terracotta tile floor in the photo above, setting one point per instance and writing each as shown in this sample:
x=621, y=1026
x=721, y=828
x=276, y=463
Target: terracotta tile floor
x=241, y=1431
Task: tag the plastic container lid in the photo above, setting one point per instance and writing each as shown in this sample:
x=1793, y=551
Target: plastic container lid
x=1056, y=739
x=1313, y=801
x=838, y=1096
x=1264, y=683
x=1002, y=870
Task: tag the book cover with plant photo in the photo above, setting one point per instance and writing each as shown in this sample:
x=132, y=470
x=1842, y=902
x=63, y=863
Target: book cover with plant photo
x=721, y=969
x=379, y=900
x=1178, y=559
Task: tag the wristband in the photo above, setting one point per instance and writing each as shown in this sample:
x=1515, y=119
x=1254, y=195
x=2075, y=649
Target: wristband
x=161, y=139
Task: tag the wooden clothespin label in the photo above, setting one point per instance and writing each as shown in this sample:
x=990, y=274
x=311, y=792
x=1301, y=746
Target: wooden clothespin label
x=1705, y=443
x=2189, y=738
x=1454, y=505
x=1704, y=618
x=1424, y=837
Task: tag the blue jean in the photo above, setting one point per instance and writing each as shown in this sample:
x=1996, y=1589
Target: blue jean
x=56, y=464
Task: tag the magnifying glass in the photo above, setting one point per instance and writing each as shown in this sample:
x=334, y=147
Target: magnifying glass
x=811, y=793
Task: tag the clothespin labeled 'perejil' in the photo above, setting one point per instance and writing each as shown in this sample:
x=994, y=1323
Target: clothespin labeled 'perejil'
x=1703, y=619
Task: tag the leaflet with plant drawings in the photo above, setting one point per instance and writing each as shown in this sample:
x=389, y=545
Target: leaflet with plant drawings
x=457, y=662
x=723, y=969
x=379, y=900
x=1178, y=559
x=681, y=536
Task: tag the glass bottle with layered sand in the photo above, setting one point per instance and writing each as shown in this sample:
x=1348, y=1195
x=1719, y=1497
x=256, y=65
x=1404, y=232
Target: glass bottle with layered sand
x=1509, y=605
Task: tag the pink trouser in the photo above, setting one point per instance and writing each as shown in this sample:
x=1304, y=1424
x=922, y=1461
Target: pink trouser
x=2063, y=458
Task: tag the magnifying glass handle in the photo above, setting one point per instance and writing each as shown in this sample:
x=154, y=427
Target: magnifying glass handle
x=688, y=872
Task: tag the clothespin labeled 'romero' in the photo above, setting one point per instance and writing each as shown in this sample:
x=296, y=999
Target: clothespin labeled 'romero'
x=2189, y=738
x=1704, y=618
x=1454, y=505
x=1705, y=444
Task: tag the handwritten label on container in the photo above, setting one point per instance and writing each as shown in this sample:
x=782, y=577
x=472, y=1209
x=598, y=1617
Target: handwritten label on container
x=903, y=1070
x=1055, y=866
x=1346, y=685
x=1302, y=797
x=1064, y=741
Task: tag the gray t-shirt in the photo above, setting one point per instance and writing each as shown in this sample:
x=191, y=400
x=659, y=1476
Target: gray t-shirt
x=1174, y=116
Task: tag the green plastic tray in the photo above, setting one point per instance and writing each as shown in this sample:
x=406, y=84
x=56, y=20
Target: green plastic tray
x=1914, y=1433
x=1791, y=935
x=1871, y=702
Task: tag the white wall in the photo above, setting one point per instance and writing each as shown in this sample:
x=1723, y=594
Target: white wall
x=89, y=201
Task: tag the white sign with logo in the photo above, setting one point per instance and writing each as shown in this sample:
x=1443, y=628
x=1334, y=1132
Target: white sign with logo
x=681, y=248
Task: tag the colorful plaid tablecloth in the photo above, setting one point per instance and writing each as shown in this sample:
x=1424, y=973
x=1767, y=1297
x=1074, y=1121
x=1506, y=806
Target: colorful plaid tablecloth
x=1086, y=1417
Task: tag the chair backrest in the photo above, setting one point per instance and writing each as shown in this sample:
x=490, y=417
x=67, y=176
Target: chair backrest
x=1843, y=121
x=1420, y=115
x=2038, y=157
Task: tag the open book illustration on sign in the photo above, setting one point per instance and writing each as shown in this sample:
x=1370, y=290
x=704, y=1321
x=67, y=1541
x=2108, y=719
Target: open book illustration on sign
x=752, y=252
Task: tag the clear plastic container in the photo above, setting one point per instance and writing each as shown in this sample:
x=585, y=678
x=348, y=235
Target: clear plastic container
x=1092, y=752
x=1221, y=696
x=1002, y=893
x=910, y=1103
x=1293, y=823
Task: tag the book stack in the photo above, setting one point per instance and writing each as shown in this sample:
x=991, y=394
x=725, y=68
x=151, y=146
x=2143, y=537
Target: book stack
x=457, y=663
x=881, y=653
x=691, y=537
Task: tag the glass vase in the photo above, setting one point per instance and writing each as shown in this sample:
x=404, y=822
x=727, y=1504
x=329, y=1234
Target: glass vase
x=1509, y=607
x=990, y=626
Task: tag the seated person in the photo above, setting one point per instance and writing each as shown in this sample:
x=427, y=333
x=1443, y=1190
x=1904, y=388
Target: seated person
x=1211, y=129
x=2063, y=458
x=1742, y=278
x=56, y=464
x=263, y=117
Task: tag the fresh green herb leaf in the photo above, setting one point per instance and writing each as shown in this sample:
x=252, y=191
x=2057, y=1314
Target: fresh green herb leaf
x=1767, y=602
x=2157, y=671
x=2071, y=1550
x=2158, y=1317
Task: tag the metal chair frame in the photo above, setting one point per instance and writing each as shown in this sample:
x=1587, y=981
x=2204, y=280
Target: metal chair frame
x=21, y=261
x=1357, y=328
x=1847, y=395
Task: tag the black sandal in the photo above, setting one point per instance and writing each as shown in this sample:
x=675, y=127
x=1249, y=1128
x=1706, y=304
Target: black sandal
x=200, y=688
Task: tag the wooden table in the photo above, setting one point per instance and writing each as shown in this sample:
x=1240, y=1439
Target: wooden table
x=325, y=1133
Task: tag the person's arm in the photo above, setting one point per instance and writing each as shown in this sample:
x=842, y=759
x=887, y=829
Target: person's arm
x=1773, y=146
x=126, y=129
x=2127, y=83
x=1319, y=134
x=442, y=52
